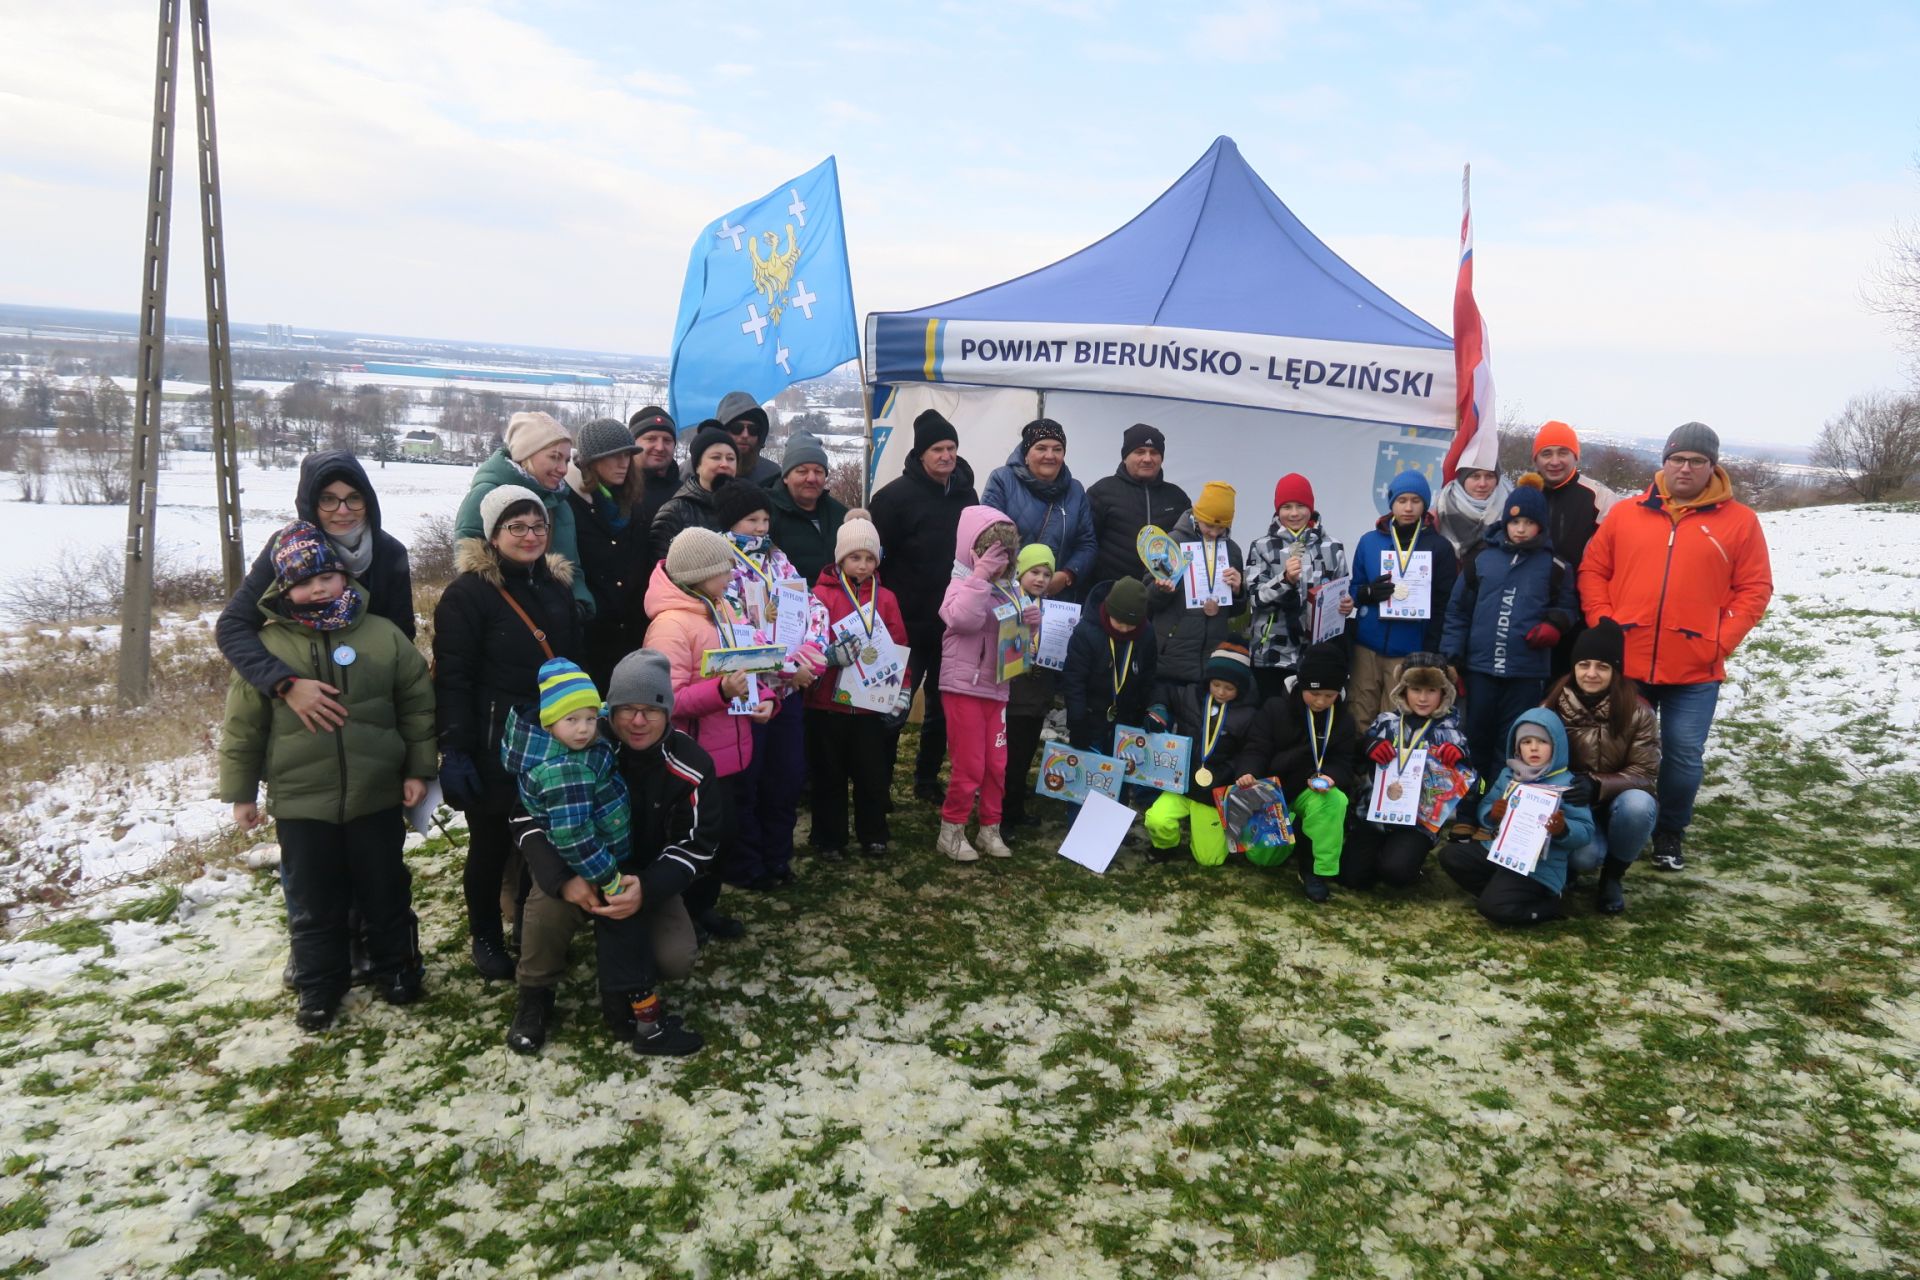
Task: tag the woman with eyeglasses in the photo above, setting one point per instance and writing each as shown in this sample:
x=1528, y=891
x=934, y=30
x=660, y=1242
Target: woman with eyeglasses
x=508, y=611
x=335, y=496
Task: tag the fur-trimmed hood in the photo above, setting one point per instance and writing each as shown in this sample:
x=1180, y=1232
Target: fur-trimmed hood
x=477, y=556
x=1397, y=696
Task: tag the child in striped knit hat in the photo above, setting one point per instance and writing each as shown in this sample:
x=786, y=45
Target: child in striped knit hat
x=568, y=782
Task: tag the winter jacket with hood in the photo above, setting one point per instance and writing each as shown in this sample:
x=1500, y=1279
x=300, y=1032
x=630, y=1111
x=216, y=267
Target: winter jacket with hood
x=1462, y=520
x=1054, y=512
x=833, y=597
x=1282, y=624
x=1575, y=508
x=387, y=583
x=682, y=627
x=1685, y=581
x=917, y=517
x=676, y=815
x=1614, y=763
x=1398, y=725
x=1122, y=507
x=1187, y=709
x=806, y=537
x=1086, y=681
x=563, y=540
x=968, y=649
x=614, y=560
x=1501, y=594
x=1184, y=637
x=1551, y=870
x=485, y=659
x=1279, y=745
x=577, y=796
x=1398, y=637
x=690, y=507
x=354, y=770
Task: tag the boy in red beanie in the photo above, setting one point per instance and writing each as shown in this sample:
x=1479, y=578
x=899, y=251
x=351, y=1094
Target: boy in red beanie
x=1283, y=568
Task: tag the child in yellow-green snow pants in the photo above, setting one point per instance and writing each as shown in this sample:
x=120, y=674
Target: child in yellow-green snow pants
x=1319, y=815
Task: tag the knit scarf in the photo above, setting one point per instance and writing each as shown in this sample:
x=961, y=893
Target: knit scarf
x=1046, y=490
x=535, y=484
x=355, y=549
x=609, y=508
x=750, y=544
x=331, y=616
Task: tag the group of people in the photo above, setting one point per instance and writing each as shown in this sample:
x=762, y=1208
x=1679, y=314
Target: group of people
x=639, y=669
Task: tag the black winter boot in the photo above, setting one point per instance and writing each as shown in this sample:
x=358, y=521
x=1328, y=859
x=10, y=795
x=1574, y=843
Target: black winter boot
x=531, y=1016
x=490, y=959
x=656, y=1034
x=317, y=1010
x=404, y=985
x=1669, y=851
x=1611, y=898
x=1315, y=888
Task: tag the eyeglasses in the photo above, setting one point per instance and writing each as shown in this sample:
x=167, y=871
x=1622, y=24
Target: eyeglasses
x=521, y=529
x=1692, y=462
x=333, y=502
x=628, y=710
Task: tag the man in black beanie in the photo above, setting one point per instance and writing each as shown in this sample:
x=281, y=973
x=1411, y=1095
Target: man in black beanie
x=1136, y=495
x=918, y=516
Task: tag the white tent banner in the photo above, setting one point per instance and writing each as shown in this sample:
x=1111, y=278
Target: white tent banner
x=1351, y=380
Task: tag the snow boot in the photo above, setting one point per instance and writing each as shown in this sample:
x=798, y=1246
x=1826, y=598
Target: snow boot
x=1669, y=853
x=527, y=1033
x=490, y=959
x=989, y=841
x=655, y=1032
x=953, y=842
x=1611, y=898
x=317, y=1010
x=1315, y=888
x=403, y=986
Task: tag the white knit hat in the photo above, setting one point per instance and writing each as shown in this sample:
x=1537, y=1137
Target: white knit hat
x=498, y=499
x=529, y=433
x=698, y=554
x=857, y=533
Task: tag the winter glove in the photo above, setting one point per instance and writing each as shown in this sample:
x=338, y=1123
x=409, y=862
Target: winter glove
x=1375, y=592
x=1381, y=752
x=1497, y=811
x=1557, y=824
x=460, y=781
x=1446, y=753
x=808, y=656
x=991, y=563
x=843, y=651
x=1543, y=636
x=902, y=703
x=1159, y=719
x=1581, y=791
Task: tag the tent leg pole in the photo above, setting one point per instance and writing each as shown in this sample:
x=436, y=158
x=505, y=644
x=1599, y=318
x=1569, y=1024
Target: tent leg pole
x=866, y=448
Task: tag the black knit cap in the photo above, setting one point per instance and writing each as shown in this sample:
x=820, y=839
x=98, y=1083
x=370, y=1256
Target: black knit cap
x=711, y=433
x=1324, y=666
x=651, y=418
x=1041, y=429
x=736, y=500
x=930, y=428
x=1142, y=435
x=1604, y=641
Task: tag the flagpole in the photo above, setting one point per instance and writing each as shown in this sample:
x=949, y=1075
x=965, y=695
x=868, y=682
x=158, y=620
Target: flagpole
x=866, y=409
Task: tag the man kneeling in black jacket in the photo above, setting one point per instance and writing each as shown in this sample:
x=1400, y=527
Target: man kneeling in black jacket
x=643, y=931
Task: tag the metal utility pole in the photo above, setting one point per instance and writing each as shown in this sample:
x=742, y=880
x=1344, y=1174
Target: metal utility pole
x=136, y=610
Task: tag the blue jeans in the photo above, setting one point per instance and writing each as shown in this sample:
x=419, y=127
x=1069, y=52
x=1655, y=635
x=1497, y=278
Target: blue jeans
x=1620, y=830
x=1686, y=714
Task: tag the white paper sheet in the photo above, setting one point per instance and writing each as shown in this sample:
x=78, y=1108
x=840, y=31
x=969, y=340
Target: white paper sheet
x=1327, y=620
x=1096, y=834
x=1058, y=618
x=1195, y=580
x=1417, y=605
x=1403, y=809
x=1522, y=837
x=870, y=686
x=792, y=601
x=420, y=816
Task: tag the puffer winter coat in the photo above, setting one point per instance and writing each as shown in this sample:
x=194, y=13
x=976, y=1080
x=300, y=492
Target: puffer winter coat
x=967, y=650
x=1122, y=507
x=1053, y=512
x=499, y=469
x=1184, y=637
x=1615, y=764
x=683, y=629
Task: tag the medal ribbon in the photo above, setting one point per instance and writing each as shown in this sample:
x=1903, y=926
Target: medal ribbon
x=1319, y=740
x=1403, y=750
x=1122, y=667
x=873, y=603
x=752, y=568
x=1403, y=558
x=1206, y=549
x=1215, y=723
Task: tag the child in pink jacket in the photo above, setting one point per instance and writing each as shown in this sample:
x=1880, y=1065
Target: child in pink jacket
x=981, y=595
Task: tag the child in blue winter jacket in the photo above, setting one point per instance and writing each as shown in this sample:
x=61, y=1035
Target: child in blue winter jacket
x=1404, y=537
x=1537, y=750
x=1512, y=602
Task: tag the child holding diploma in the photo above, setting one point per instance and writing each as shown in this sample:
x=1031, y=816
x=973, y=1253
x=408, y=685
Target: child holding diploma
x=1030, y=695
x=1304, y=738
x=1108, y=678
x=1512, y=602
x=1538, y=758
x=844, y=742
x=1216, y=716
x=1283, y=568
x=1419, y=718
x=1186, y=633
x=1394, y=618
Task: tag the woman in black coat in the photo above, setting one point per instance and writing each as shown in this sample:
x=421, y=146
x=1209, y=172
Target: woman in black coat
x=604, y=488
x=335, y=497
x=487, y=659
x=712, y=460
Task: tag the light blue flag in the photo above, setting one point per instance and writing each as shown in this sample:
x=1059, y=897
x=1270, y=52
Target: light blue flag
x=768, y=300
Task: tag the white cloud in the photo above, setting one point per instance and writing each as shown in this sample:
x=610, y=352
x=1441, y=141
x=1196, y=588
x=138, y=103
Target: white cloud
x=1252, y=32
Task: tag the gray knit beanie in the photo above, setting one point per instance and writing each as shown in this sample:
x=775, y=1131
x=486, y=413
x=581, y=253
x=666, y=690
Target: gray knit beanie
x=696, y=555
x=644, y=678
x=498, y=499
x=802, y=447
x=1693, y=437
x=603, y=438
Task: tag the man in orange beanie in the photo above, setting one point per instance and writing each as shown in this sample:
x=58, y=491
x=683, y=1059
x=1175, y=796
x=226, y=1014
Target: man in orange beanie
x=1576, y=504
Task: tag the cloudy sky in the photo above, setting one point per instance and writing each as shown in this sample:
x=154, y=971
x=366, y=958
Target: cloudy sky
x=1677, y=204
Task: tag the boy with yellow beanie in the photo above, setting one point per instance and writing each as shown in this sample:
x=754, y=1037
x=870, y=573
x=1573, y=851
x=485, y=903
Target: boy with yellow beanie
x=1184, y=637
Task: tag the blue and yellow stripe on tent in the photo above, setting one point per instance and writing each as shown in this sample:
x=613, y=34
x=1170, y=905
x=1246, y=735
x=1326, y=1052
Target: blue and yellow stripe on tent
x=932, y=368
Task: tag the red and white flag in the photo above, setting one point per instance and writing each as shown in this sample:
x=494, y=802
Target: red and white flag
x=1476, y=441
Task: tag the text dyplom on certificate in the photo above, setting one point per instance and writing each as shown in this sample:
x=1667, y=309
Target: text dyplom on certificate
x=1522, y=837
x=1057, y=621
x=791, y=602
x=1202, y=585
x=1328, y=622
x=1412, y=596
x=1396, y=790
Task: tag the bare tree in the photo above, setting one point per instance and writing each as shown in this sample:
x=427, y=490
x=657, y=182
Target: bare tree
x=1873, y=445
x=1894, y=290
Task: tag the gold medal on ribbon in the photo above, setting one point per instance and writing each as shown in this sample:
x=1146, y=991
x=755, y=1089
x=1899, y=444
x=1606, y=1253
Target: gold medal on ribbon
x=870, y=654
x=1400, y=592
x=1203, y=776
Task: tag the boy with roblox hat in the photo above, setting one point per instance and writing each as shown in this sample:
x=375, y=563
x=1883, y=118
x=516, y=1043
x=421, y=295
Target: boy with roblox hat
x=336, y=797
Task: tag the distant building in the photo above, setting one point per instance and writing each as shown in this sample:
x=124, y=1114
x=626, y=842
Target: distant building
x=485, y=373
x=420, y=444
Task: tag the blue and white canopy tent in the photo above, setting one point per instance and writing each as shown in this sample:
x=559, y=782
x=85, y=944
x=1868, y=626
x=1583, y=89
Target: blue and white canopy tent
x=1216, y=316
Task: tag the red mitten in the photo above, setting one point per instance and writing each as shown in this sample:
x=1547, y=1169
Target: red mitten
x=1381, y=753
x=1447, y=754
x=1543, y=636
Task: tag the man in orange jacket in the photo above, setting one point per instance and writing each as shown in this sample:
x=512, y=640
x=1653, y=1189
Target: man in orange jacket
x=1683, y=569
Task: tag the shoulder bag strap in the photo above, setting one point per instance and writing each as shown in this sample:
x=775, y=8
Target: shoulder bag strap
x=538, y=635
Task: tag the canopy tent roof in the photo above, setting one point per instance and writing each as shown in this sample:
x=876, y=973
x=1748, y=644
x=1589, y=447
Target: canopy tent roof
x=1214, y=292
x=1218, y=250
